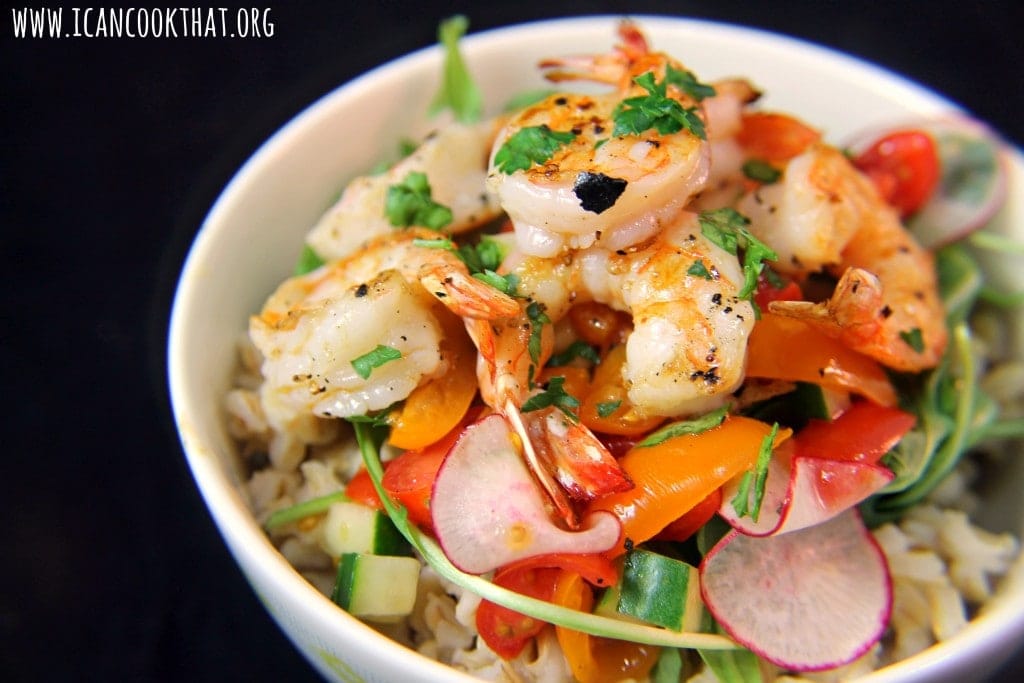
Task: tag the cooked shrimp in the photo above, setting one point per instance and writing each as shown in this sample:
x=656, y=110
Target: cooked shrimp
x=314, y=326
x=826, y=215
x=600, y=187
x=454, y=159
x=686, y=352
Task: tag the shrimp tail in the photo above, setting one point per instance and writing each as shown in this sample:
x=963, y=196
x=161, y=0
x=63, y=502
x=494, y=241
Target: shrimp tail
x=563, y=506
x=614, y=68
x=580, y=463
x=467, y=296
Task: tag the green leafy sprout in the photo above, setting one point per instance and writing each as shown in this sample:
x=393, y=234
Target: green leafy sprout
x=458, y=91
x=542, y=610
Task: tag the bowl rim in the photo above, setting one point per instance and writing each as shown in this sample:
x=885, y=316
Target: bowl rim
x=988, y=631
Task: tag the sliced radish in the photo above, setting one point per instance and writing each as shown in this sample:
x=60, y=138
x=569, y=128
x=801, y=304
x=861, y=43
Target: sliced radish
x=489, y=511
x=805, y=601
x=973, y=181
x=803, y=491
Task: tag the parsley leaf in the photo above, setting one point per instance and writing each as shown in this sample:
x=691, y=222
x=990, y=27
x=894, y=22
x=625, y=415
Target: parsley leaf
x=487, y=254
x=528, y=146
x=694, y=426
x=578, y=349
x=365, y=364
x=309, y=261
x=758, y=476
x=538, y=319
x=914, y=339
x=458, y=91
x=409, y=203
x=607, y=408
x=688, y=83
x=554, y=395
x=761, y=171
x=698, y=269
x=656, y=110
x=728, y=229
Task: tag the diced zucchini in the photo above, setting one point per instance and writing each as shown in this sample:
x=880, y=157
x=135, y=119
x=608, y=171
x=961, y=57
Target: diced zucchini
x=355, y=528
x=376, y=587
x=806, y=401
x=812, y=400
x=661, y=590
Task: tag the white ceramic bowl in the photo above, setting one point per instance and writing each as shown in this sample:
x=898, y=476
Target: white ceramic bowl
x=253, y=235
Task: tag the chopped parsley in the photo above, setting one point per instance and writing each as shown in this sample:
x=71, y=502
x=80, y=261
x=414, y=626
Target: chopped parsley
x=913, y=338
x=694, y=426
x=308, y=261
x=688, y=83
x=728, y=229
x=656, y=110
x=607, y=408
x=506, y=284
x=366, y=363
x=698, y=269
x=761, y=171
x=410, y=203
x=528, y=146
x=553, y=395
x=757, y=476
x=482, y=260
x=538, y=319
x=458, y=91
x=577, y=349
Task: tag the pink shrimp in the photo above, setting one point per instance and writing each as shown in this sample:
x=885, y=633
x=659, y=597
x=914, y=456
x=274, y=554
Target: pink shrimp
x=826, y=215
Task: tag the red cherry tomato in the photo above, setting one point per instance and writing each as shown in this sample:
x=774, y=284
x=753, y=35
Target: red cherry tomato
x=863, y=433
x=905, y=168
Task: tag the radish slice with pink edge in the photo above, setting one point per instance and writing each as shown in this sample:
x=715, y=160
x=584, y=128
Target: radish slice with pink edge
x=488, y=510
x=803, y=491
x=808, y=600
x=973, y=181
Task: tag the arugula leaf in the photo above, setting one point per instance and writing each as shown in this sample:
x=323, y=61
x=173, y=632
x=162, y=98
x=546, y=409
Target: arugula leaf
x=656, y=110
x=307, y=508
x=458, y=91
x=528, y=146
x=758, y=475
x=577, y=349
x=542, y=610
x=728, y=229
x=694, y=426
x=365, y=364
x=410, y=203
x=308, y=261
x=553, y=395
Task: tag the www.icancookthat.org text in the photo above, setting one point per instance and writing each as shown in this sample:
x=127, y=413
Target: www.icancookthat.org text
x=141, y=22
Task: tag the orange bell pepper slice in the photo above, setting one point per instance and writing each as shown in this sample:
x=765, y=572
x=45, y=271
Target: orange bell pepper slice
x=432, y=409
x=786, y=348
x=675, y=475
x=593, y=659
x=774, y=137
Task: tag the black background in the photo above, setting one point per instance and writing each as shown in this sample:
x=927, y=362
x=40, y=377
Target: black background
x=113, y=150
